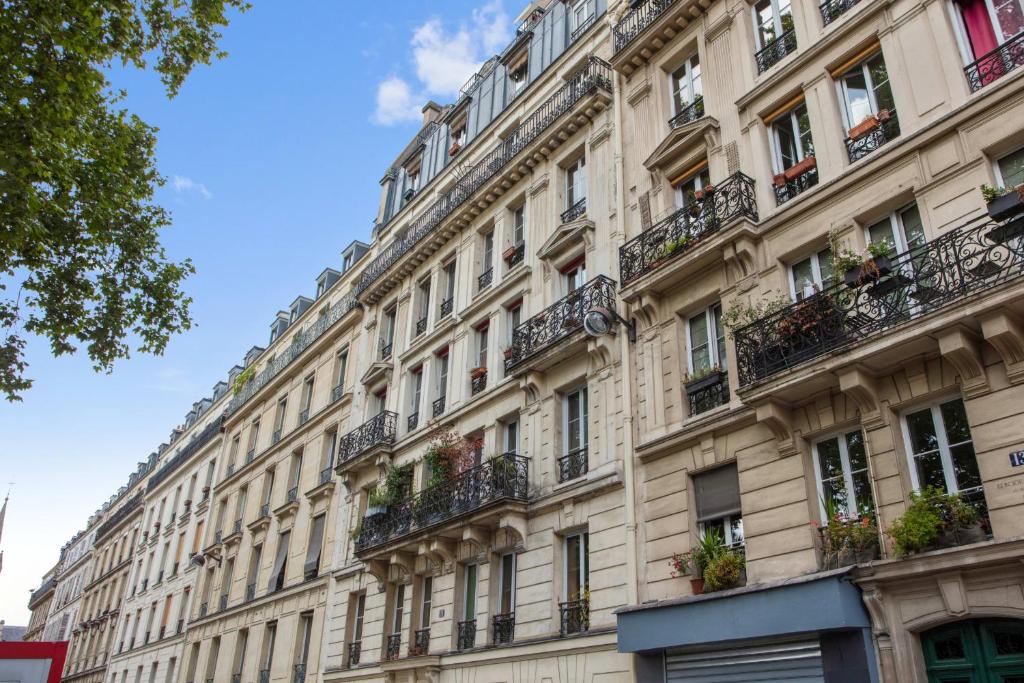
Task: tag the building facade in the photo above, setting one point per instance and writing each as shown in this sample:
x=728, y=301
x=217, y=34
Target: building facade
x=39, y=603
x=673, y=332
x=74, y=571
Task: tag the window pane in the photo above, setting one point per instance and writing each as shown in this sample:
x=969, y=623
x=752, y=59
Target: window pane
x=765, y=18
x=880, y=82
x=855, y=451
x=954, y=417
x=922, y=432
x=858, y=106
x=572, y=568
x=913, y=228
x=785, y=137
x=470, y=611
x=1010, y=15
x=862, y=493
x=834, y=491
x=803, y=278
x=828, y=459
x=699, y=351
x=965, y=467
x=736, y=529
x=803, y=122
x=1011, y=168
x=929, y=471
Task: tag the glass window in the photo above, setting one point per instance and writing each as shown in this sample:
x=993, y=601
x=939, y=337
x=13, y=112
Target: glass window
x=685, y=83
x=903, y=230
x=507, y=596
x=717, y=493
x=515, y=317
x=575, y=277
x=488, y=252
x=577, y=566
x=576, y=420
x=810, y=275
x=396, y=620
x=941, y=449
x=985, y=24
x=772, y=18
x=442, y=375
x=469, y=593
x=1011, y=169
x=841, y=464
x=685, y=190
x=417, y=390
x=576, y=182
x=707, y=340
x=481, y=346
x=357, y=621
x=512, y=436
x=864, y=90
x=342, y=365
x=791, y=135
x=426, y=596
x=519, y=225
x=582, y=12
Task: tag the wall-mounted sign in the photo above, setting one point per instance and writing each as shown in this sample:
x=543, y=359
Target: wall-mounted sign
x=1017, y=459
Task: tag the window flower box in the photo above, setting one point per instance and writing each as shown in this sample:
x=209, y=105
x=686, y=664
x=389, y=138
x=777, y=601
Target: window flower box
x=868, y=125
x=870, y=270
x=704, y=380
x=799, y=168
x=454, y=149
x=477, y=373
x=1002, y=203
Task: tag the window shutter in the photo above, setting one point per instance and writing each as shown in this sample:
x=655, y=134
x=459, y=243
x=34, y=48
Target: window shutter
x=316, y=543
x=282, y=554
x=717, y=493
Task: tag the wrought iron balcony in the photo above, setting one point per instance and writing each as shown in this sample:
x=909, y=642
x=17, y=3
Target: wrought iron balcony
x=413, y=422
x=504, y=478
x=355, y=648
x=325, y=475
x=575, y=211
x=503, y=628
x=421, y=326
x=708, y=392
x=996, y=63
x=304, y=416
x=386, y=346
x=774, y=52
x=394, y=647
x=250, y=592
x=264, y=510
x=250, y=455
x=184, y=455
x=951, y=268
x=122, y=514
x=285, y=357
x=203, y=609
x=276, y=436
x=218, y=536
x=299, y=673
x=787, y=187
x=421, y=642
x=573, y=465
x=378, y=431
x=438, y=407
x=690, y=112
x=833, y=9
x=237, y=527
x=680, y=232
x=446, y=306
x=478, y=384
x=467, y=635
x=293, y=494
x=594, y=75
x=559, y=320
x=223, y=604
x=230, y=471
x=264, y=676
x=575, y=617
x=886, y=131
x=635, y=21
x=517, y=255
x=485, y=278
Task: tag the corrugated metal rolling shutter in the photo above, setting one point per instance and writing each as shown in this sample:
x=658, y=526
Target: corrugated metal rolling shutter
x=798, y=662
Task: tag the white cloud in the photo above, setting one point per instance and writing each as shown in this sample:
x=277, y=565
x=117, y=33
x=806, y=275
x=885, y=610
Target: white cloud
x=443, y=59
x=183, y=185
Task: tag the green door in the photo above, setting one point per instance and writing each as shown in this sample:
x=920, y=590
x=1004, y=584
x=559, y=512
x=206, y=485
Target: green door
x=981, y=651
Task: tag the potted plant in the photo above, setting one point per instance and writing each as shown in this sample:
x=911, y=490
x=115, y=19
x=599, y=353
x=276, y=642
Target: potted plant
x=377, y=502
x=507, y=352
x=1004, y=203
x=935, y=519
x=869, y=265
x=454, y=149
x=779, y=180
x=703, y=378
x=799, y=168
x=706, y=192
x=509, y=253
x=697, y=560
x=846, y=540
x=693, y=203
x=868, y=125
x=242, y=379
x=478, y=372
x=962, y=523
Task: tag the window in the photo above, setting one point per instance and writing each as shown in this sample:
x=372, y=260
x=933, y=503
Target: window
x=315, y=549
x=507, y=591
x=577, y=566
x=488, y=253
x=706, y=335
x=341, y=363
x=1010, y=169
x=841, y=465
x=581, y=14
x=575, y=425
x=307, y=397
x=986, y=24
x=685, y=84
x=717, y=494
x=330, y=445
x=442, y=374
x=791, y=138
x=198, y=538
x=233, y=453
x=449, y=288
x=240, y=646
x=254, y=434
x=269, y=641
x=426, y=597
x=940, y=447
x=687, y=188
x=518, y=75
x=296, y=472
x=512, y=436
x=277, y=574
x=772, y=18
x=357, y=620
x=469, y=585
x=268, y=488
x=387, y=333
x=399, y=606
x=305, y=637
x=811, y=275
x=864, y=90
x=416, y=395
x=422, y=305
x=481, y=346
x=576, y=183
x=515, y=317
x=903, y=230
x=575, y=276
x=519, y=224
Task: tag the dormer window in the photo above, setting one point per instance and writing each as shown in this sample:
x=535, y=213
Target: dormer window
x=321, y=287
x=457, y=133
x=346, y=263
x=518, y=74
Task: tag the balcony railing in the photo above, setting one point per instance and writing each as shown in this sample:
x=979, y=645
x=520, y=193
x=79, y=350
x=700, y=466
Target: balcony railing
x=593, y=75
x=517, y=256
x=710, y=392
x=947, y=270
x=413, y=422
x=355, y=648
x=421, y=642
x=299, y=673
x=302, y=342
x=325, y=475
x=223, y=604
x=677, y=234
x=421, y=326
x=636, y=21
x=122, y=514
x=787, y=188
x=188, y=450
x=575, y=617
x=833, y=9
x=886, y=131
x=337, y=392
x=204, y=608
x=575, y=211
x=264, y=676
x=264, y=511
x=304, y=416
x=276, y=436
x=478, y=384
x=293, y=494
x=467, y=635
x=485, y=278
x=690, y=112
x=237, y=527
x=503, y=628
x=250, y=455
x=250, y=592
x=996, y=63
x=438, y=407
x=505, y=477
x=378, y=431
x=446, y=306
x=775, y=51
x=394, y=646
x=572, y=465
x=559, y=320
x=385, y=348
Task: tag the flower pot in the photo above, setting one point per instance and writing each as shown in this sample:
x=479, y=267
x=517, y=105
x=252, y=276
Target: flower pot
x=950, y=538
x=508, y=354
x=697, y=586
x=800, y=167
x=454, y=149
x=1007, y=205
x=869, y=271
x=477, y=373
x=779, y=180
x=508, y=254
x=694, y=209
x=883, y=115
x=704, y=382
x=866, y=126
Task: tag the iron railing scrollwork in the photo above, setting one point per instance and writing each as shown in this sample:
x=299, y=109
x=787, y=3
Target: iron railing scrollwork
x=775, y=51
x=678, y=233
x=385, y=348
x=446, y=306
x=575, y=211
x=503, y=627
x=505, y=477
x=293, y=494
x=926, y=278
x=793, y=187
x=710, y=395
x=437, y=409
x=325, y=475
x=355, y=648
x=378, y=431
x=478, y=384
x=188, y=450
x=118, y=517
x=573, y=465
x=467, y=635
x=575, y=617
x=413, y=422
x=886, y=131
x=689, y=113
x=635, y=21
x=517, y=256
x=996, y=63
x=559, y=320
x=394, y=646
x=421, y=642
x=337, y=392
x=595, y=74
x=833, y=9
x=485, y=279
x=421, y=326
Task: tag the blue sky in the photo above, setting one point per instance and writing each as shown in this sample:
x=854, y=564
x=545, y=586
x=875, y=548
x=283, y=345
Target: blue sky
x=272, y=158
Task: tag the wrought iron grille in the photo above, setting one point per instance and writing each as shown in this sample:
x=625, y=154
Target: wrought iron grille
x=265, y=510
x=572, y=465
x=575, y=617
x=503, y=628
x=709, y=394
x=485, y=278
x=413, y=422
x=299, y=673
x=354, y=650
x=636, y=21
x=421, y=326
x=446, y=306
x=595, y=74
x=421, y=642
x=304, y=416
x=223, y=603
x=188, y=450
x=833, y=9
x=293, y=494
x=250, y=592
x=996, y=63
x=250, y=455
x=678, y=233
x=791, y=188
x=385, y=348
x=518, y=253
x=559, y=320
x=438, y=407
x=478, y=384
x=690, y=112
x=957, y=264
x=264, y=676
x=337, y=392
x=394, y=646
x=377, y=431
x=575, y=211
x=467, y=635
x=583, y=27
x=218, y=536
x=303, y=341
x=203, y=609
x=325, y=475
x=276, y=436
x=773, y=53
x=237, y=527
x=505, y=477
x=887, y=131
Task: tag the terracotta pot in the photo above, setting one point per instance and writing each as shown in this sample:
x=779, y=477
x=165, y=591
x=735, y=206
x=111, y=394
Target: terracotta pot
x=697, y=586
x=508, y=254
x=864, y=127
x=779, y=180
x=454, y=149
x=799, y=168
x=477, y=373
x=508, y=354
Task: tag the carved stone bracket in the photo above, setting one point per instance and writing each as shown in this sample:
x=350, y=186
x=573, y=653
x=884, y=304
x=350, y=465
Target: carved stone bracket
x=778, y=418
x=862, y=389
x=1006, y=335
x=960, y=347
